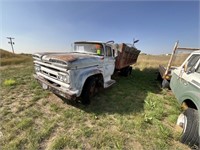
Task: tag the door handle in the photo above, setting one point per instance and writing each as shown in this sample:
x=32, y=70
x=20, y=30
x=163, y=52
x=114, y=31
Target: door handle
x=184, y=82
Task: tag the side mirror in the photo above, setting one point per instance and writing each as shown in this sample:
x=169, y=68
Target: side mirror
x=113, y=51
x=185, y=67
x=188, y=70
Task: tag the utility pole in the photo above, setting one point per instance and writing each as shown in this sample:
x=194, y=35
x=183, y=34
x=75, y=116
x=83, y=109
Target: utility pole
x=11, y=43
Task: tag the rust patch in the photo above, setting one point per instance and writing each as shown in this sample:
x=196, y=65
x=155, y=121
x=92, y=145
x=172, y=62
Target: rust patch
x=65, y=57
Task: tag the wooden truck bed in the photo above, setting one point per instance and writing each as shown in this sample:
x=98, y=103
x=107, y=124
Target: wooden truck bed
x=162, y=71
x=165, y=73
x=126, y=56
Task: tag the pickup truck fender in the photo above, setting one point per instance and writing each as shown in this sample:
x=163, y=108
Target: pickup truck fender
x=82, y=76
x=191, y=95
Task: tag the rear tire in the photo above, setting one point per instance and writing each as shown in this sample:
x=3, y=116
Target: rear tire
x=189, y=121
x=126, y=71
x=88, y=91
x=130, y=70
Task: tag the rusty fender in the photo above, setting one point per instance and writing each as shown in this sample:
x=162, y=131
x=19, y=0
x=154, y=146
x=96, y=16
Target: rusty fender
x=81, y=76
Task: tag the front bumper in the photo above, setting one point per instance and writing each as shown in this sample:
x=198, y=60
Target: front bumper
x=68, y=94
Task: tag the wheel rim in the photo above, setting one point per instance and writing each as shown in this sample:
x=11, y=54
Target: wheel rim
x=182, y=122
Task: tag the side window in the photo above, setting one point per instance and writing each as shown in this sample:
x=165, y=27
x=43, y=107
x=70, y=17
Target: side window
x=99, y=49
x=198, y=69
x=108, y=51
x=192, y=62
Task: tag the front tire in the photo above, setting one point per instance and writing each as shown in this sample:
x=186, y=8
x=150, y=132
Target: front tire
x=88, y=91
x=189, y=122
x=165, y=84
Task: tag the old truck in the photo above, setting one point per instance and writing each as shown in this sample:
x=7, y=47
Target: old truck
x=82, y=72
x=179, y=54
x=185, y=84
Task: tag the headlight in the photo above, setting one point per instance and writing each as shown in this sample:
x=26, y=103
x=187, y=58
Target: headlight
x=63, y=77
x=37, y=68
x=59, y=76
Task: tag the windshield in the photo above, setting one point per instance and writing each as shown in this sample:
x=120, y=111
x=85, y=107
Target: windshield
x=92, y=48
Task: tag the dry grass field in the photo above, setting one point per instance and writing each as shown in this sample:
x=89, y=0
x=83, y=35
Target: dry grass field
x=151, y=61
x=135, y=113
x=7, y=58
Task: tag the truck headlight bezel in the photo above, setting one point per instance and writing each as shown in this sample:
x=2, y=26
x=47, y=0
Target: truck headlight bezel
x=63, y=77
x=37, y=68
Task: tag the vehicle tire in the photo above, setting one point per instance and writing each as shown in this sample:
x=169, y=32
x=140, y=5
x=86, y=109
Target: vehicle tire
x=159, y=78
x=122, y=71
x=189, y=122
x=88, y=91
x=130, y=70
x=165, y=84
x=126, y=71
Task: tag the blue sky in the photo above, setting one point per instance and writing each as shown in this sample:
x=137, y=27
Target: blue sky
x=39, y=26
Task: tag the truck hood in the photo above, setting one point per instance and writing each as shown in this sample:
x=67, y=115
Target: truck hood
x=69, y=60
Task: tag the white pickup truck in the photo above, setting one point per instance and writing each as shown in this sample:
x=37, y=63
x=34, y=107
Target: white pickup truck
x=83, y=71
x=185, y=84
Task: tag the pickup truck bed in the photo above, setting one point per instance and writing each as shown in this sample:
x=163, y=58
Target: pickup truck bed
x=162, y=70
x=126, y=56
x=166, y=72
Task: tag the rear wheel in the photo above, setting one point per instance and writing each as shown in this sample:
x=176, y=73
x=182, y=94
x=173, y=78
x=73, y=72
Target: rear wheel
x=130, y=70
x=126, y=71
x=88, y=91
x=189, y=123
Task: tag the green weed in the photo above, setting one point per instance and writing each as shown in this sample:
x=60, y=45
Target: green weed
x=54, y=107
x=9, y=82
x=25, y=123
x=64, y=141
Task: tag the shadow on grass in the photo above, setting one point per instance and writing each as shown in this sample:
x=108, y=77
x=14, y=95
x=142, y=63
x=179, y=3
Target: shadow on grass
x=126, y=96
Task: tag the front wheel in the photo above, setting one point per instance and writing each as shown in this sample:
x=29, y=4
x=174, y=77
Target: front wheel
x=88, y=91
x=165, y=84
x=189, y=123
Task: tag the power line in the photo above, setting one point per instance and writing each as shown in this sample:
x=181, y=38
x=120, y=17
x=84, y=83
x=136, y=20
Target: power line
x=11, y=43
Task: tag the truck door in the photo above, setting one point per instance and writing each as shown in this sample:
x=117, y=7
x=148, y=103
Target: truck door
x=189, y=74
x=109, y=63
x=189, y=69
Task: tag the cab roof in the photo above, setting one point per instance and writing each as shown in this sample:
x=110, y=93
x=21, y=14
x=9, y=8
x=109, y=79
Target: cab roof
x=196, y=52
x=100, y=42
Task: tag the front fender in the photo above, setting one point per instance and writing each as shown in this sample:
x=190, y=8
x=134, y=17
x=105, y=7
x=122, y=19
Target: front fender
x=82, y=75
x=193, y=96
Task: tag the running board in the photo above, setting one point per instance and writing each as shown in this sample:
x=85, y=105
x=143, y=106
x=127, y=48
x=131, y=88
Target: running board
x=109, y=83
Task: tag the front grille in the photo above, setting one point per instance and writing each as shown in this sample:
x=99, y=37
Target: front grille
x=50, y=74
x=50, y=68
x=51, y=71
